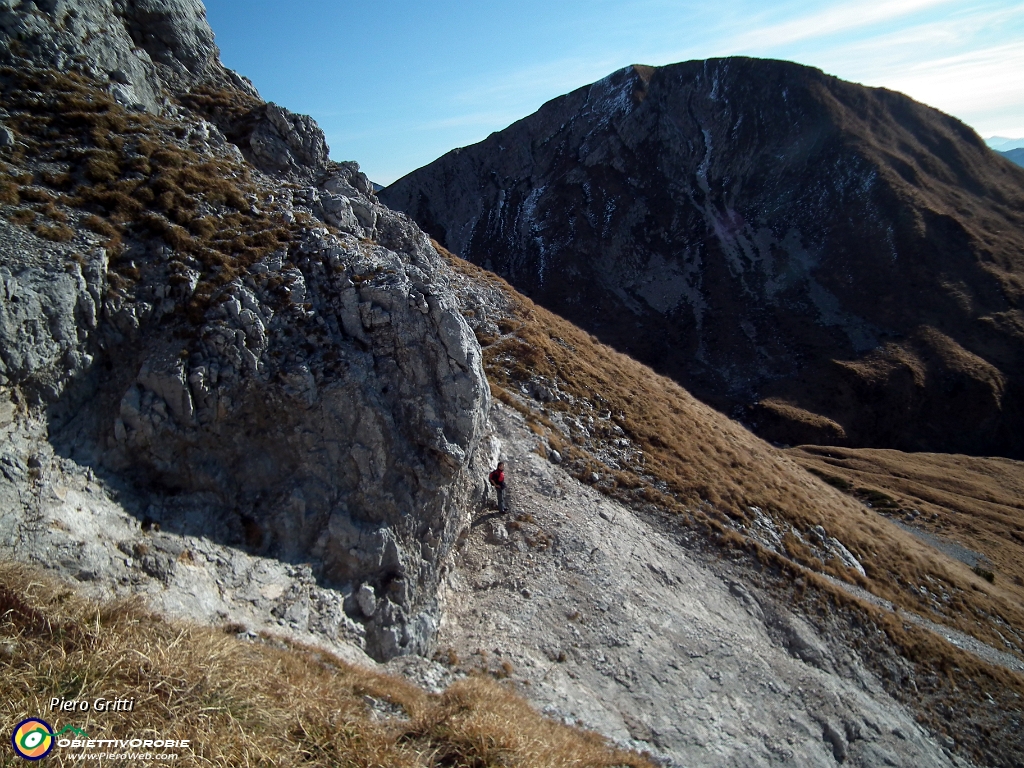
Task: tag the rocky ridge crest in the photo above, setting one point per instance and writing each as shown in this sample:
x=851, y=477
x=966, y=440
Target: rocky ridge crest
x=141, y=51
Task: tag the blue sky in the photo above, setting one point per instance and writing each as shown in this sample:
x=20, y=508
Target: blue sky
x=396, y=83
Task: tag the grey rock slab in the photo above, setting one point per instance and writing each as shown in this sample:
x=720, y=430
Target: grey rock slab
x=628, y=633
x=69, y=522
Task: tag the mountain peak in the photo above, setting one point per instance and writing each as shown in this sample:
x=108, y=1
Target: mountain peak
x=773, y=237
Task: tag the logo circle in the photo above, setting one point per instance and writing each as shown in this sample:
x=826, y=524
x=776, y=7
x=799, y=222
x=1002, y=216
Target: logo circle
x=32, y=739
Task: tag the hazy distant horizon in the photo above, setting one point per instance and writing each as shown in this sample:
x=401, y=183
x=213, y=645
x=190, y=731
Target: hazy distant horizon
x=1004, y=144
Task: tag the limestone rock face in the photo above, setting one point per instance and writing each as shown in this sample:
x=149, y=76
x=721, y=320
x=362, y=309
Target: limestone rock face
x=327, y=409
x=317, y=399
x=338, y=427
x=142, y=49
x=50, y=308
x=284, y=141
x=831, y=263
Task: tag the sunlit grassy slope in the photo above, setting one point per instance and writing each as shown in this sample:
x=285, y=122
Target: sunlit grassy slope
x=967, y=502
x=673, y=452
x=645, y=441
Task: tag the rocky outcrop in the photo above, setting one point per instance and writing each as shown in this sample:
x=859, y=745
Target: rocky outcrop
x=141, y=50
x=337, y=427
x=283, y=141
x=149, y=54
x=309, y=393
x=50, y=309
x=832, y=263
x=327, y=409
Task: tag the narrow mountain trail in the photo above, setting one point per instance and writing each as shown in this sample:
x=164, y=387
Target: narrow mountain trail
x=955, y=637
x=603, y=620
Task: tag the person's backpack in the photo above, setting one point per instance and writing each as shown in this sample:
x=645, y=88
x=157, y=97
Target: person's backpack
x=493, y=477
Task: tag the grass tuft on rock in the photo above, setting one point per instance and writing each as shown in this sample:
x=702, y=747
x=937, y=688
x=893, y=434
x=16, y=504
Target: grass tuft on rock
x=130, y=176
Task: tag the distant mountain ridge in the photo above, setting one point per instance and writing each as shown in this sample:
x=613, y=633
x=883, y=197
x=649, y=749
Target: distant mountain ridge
x=1003, y=144
x=832, y=263
x=1014, y=155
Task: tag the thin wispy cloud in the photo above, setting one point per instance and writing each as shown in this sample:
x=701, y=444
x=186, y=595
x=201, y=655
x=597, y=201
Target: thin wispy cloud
x=990, y=79
x=965, y=59
x=832, y=21
x=891, y=54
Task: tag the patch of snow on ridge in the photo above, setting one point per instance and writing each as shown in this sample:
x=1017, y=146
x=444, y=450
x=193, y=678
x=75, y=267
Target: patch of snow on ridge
x=702, y=170
x=608, y=99
x=531, y=226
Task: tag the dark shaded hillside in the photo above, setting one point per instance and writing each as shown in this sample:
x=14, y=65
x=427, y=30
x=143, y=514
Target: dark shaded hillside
x=831, y=263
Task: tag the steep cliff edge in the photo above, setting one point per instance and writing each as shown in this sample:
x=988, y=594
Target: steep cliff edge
x=273, y=362
x=831, y=263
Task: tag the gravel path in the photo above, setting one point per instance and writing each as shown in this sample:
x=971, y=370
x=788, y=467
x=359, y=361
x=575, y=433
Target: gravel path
x=955, y=637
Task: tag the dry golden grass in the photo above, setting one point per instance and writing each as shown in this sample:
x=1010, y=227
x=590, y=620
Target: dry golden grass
x=976, y=502
x=223, y=106
x=711, y=471
x=263, y=703
x=9, y=192
x=23, y=216
x=58, y=233
x=131, y=175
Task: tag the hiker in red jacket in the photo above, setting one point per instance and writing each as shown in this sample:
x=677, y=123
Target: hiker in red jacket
x=497, y=479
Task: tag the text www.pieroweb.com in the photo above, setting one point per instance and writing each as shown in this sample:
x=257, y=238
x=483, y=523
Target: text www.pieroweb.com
x=120, y=757
x=129, y=747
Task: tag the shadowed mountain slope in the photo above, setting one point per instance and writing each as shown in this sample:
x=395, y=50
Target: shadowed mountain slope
x=831, y=263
